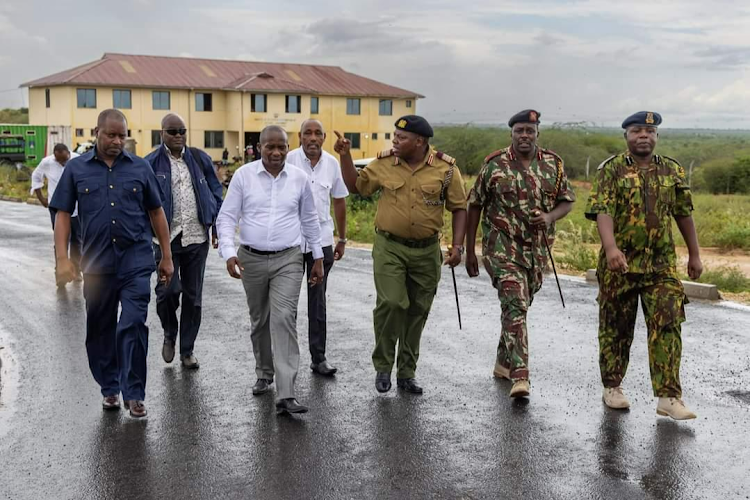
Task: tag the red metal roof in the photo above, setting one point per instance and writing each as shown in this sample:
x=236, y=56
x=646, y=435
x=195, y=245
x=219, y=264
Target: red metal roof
x=124, y=70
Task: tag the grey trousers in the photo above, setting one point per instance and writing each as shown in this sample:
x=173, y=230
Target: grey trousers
x=272, y=285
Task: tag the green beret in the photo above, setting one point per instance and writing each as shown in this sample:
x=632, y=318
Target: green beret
x=416, y=124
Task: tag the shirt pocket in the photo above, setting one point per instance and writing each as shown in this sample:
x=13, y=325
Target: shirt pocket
x=667, y=193
x=390, y=190
x=431, y=193
x=629, y=189
x=90, y=199
x=507, y=192
x=132, y=196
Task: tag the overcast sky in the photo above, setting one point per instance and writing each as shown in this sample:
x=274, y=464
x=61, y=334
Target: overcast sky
x=476, y=61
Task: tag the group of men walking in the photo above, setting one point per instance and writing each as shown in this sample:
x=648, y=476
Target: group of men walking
x=281, y=204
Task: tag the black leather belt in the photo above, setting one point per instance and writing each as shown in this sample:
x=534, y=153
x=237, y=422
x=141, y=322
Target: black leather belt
x=424, y=243
x=264, y=252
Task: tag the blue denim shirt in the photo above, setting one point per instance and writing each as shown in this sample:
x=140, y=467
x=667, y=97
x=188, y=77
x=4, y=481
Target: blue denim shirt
x=113, y=205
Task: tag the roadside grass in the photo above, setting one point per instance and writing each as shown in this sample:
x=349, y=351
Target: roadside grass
x=14, y=183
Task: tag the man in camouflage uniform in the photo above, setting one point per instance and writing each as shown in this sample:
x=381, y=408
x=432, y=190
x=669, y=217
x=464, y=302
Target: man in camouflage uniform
x=519, y=193
x=417, y=184
x=633, y=201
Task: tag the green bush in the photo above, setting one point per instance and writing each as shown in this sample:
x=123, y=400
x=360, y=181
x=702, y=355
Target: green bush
x=574, y=254
x=726, y=278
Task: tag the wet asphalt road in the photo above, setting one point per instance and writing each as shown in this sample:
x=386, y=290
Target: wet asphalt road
x=206, y=436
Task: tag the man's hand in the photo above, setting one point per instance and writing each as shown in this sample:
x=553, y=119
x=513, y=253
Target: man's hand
x=541, y=219
x=616, y=260
x=338, y=252
x=233, y=264
x=166, y=270
x=694, y=267
x=472, y=264
x=454, y=257
x=342, y=146
x=316, y=273
x=65, y=272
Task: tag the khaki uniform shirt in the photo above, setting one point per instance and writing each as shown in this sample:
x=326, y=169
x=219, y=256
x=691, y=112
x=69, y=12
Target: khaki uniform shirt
x=411, y=204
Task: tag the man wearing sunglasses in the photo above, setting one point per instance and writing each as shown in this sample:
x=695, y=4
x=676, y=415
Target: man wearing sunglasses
x=191, y=195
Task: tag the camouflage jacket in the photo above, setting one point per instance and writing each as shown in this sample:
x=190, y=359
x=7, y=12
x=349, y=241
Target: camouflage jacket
x=508, y=193
x=641, y=203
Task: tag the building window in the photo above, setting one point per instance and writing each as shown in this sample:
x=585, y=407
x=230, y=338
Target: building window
x=387, y=136
x=129, y=133
x=47, y=97
x=121, y=99
x=203, y=102
x=214, y=139
x=258, y=103
x=155, y=138
x=352, y=106
x=86, y=98
x=386, y=107
x=160, y=99
x=408, y=103
x=92, y=134
x=293, y=103
x=314, y=106
x=374, y=136
x=79, y=132
x=353, y=137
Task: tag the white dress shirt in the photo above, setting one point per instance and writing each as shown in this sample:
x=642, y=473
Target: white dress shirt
x=326, y=182
x=50, y=168
x=273, y=212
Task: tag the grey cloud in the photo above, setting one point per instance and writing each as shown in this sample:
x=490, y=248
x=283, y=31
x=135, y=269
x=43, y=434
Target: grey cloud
x=726, y=57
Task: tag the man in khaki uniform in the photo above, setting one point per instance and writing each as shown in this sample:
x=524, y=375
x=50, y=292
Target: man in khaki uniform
x=415, y=183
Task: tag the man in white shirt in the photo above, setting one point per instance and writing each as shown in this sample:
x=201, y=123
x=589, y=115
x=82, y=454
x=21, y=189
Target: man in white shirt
x=273, y=204
x=51, y=168
x=325, y=176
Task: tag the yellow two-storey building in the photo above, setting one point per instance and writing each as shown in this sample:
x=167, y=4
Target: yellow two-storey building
x=225, y=104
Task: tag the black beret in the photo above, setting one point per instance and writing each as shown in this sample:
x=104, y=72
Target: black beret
x=643, y=118
x=525, y=116
x=416, y=124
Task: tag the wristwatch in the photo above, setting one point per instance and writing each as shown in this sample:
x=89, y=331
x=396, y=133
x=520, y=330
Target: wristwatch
x=460, y=249
x=343, y=240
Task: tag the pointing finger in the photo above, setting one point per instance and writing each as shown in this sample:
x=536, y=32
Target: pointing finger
x=338, y=134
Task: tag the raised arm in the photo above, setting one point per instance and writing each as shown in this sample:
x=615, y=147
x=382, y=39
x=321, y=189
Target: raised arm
x=348, y=170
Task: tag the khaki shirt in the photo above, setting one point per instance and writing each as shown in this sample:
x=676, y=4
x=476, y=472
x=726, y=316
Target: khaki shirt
x=410, y=204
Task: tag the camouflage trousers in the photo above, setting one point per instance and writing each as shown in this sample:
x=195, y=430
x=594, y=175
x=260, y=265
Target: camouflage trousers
x=516, y=287
x=662, y=298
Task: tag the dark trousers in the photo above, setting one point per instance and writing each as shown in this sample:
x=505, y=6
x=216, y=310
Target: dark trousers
x=117, y=348
x=189, y=268
x=75, y=239
x=316, y=306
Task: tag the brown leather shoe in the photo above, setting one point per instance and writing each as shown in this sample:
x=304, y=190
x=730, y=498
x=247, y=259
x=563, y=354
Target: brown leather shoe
x=137, y=408
x=190, y=362
x=167, y=350
x=111, y=402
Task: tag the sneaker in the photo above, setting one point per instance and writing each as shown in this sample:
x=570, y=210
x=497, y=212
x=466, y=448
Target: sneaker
x=520, y=389
x=500, y=371
x=615, y=398
x=675, y=408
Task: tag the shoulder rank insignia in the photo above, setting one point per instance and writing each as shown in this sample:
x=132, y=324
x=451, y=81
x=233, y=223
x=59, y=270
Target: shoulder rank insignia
x=671, y=159
x=385, y=153
x=494, y=154
x=601, y=165
x=447, y=159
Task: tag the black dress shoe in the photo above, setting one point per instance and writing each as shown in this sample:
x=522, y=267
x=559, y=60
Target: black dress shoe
x=262, y=386
x=409, y=385
x=324, y=368
x=383, y=382
x=290, y=405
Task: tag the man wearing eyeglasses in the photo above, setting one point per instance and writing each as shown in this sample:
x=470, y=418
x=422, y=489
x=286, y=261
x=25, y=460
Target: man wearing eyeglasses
x=191, y=195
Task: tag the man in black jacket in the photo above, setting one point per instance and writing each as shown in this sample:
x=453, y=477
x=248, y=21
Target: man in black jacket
x=192, y=196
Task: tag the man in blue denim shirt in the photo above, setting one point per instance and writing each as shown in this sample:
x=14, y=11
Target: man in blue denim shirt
x=192, y=196
x=118, y=203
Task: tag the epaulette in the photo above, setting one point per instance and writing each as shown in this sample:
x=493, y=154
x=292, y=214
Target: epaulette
x=671, y=159
x=494, y=154
x=550, y=152
x=385, y=153
x=447, y=159
x=601, y=165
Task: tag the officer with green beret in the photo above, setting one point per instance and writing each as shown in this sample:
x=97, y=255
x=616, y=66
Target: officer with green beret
x=416, y=183
x=519, y=194
x=634, y=199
